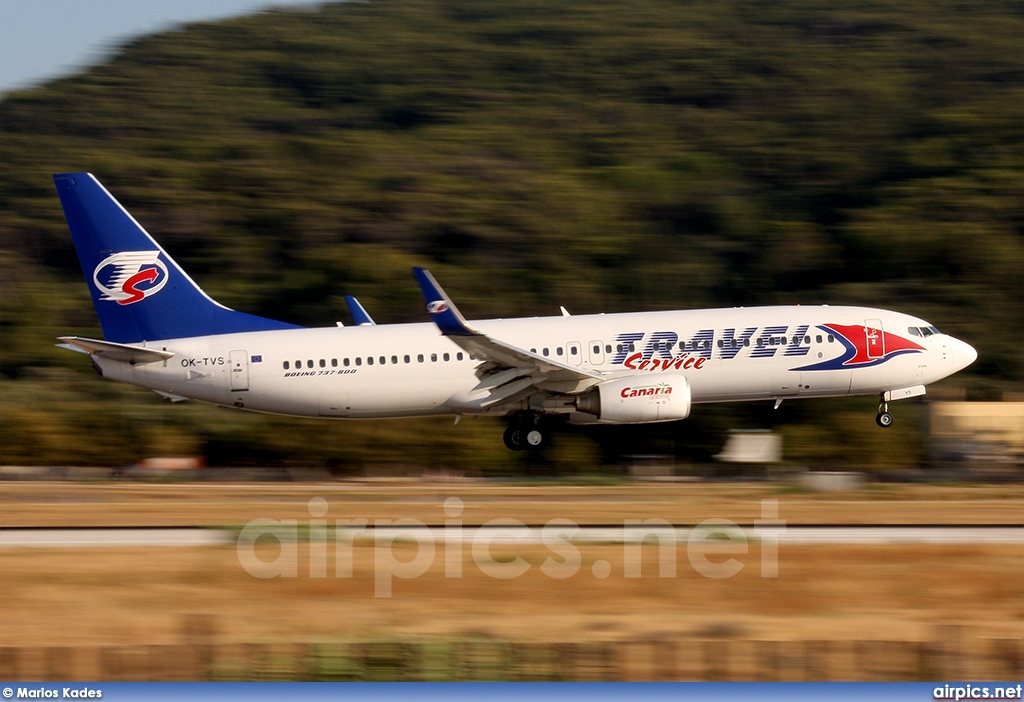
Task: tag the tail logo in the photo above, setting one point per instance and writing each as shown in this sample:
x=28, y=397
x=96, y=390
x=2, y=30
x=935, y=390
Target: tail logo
x=437, y=307
x=130, y=276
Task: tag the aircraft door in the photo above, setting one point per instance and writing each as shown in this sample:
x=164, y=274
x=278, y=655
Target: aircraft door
x=239, y=363
x=574, y=352
x=596, y=353
x=875, y=338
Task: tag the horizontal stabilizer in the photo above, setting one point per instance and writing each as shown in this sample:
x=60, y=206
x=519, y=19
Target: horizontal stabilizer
x=170, y=396
x=116, y=352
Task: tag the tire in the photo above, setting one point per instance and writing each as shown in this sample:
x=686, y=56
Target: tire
x=534, y=438
x=514, y=438
x=884, y=420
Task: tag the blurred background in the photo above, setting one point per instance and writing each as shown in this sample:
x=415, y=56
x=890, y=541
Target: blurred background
x=612, y=156
x=605, y=156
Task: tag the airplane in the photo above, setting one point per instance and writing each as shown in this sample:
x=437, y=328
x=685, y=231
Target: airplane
x=162, y=332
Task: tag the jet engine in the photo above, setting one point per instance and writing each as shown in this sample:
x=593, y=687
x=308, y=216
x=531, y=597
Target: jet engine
x=638, y=399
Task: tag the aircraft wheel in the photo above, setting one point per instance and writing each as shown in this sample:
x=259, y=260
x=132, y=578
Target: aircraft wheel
x=884, y=420
x=515, y=437
x=534, y=438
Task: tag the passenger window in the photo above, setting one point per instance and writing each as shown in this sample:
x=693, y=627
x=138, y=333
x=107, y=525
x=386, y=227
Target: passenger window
x=394, y=359
x=334, y=363
x=558, y=351
x=369, y=360
x=831, y=338
x=760, y=342
x=286, y=364
x=323, y=363
x=309, y=363
x=458, y=356
x=359, y=361
x=345, y=362
x=746, y=342
x=419, y=358
x=807, y=340
x=597, y=348
x=818, y=338
x=298, y=364
x=608, y=348
x=433, y=358
x=546, y=352
x=407, y=359
x=446, y=358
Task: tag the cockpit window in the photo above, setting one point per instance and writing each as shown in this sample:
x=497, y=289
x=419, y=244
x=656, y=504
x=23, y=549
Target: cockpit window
x=923, y=331
x=914, y=331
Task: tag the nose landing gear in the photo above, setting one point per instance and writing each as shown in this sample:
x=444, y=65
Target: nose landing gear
x=883, y=419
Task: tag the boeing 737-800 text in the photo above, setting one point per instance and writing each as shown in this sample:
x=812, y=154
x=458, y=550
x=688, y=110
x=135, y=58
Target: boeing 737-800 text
x=164, y=333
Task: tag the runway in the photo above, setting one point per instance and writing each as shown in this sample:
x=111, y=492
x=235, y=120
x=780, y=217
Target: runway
x=654, y=533
x=188, y=536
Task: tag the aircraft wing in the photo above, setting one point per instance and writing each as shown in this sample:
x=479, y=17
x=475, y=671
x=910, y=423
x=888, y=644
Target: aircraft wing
x=118, y=352
x=508, y=372
x=361, y=317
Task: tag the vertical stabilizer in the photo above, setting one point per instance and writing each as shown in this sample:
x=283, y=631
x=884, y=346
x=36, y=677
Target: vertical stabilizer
x=139, y=292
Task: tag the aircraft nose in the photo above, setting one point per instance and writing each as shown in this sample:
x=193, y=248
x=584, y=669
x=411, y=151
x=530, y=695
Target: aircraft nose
x=962, y=353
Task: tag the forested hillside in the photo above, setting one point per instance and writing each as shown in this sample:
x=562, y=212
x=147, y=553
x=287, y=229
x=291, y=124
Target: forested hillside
x=605, y=156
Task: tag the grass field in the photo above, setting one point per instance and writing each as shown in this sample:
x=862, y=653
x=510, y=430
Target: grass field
x=79, y=596
x=139, y=595
x=214, y=504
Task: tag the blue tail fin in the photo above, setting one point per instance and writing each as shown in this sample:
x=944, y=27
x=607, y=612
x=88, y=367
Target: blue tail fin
x=139, y=292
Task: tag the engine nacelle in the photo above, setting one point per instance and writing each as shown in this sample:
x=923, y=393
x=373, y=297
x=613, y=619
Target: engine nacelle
x=638, y=399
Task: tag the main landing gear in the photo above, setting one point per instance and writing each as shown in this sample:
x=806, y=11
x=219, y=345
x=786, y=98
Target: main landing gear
x=883, y=419
x=524, y=432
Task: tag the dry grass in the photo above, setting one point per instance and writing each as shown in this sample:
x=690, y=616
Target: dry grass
x=135, y=595
x=65, y=596
x=147, y=504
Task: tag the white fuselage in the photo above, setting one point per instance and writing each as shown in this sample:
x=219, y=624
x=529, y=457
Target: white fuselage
x=406, y=370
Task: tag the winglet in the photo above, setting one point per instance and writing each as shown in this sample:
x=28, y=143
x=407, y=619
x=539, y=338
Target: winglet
x=359, y=315
x=444, y=312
